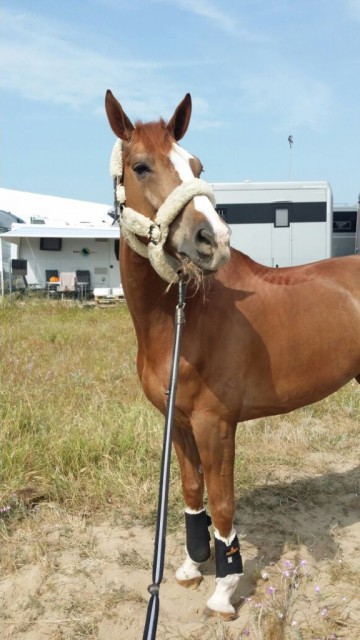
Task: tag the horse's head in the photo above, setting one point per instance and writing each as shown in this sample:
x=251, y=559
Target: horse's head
x=153, y=166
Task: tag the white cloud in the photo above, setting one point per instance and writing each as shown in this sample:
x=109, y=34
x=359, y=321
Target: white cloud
x=289, y=97
x=353, y=7
x=46, y=61
x=208, y=10
x=215, y=13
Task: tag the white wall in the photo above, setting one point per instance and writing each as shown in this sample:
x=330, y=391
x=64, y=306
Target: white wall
x=101, y=261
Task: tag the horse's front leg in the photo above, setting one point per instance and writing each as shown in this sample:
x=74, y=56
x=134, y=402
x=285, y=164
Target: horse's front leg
x=196, y=519
x=216, y=443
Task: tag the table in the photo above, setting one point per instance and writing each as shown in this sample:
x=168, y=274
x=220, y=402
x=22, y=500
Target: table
x=52, y=286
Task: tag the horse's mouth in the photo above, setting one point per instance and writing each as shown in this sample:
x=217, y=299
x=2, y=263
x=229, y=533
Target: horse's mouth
x=193, y=273
x=188, y=264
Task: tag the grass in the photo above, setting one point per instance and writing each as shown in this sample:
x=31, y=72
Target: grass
x=75, y=426
x=76, y=429
x=77, y=433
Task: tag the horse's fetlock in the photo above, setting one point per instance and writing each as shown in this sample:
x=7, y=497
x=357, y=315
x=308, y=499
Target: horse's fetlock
x=227, y=557
x=198, y=536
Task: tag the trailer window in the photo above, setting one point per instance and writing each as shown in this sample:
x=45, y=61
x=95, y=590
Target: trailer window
x=50, y=244
x=281, y=217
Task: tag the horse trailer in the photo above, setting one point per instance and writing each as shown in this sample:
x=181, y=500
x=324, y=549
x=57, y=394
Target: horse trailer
x=279, y=224
x=344, y=229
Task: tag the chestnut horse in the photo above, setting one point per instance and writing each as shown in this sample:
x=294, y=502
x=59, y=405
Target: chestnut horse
x=257, y=341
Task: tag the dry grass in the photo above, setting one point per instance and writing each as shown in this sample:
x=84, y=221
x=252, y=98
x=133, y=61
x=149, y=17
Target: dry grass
x=78, y=436
x=75, y=426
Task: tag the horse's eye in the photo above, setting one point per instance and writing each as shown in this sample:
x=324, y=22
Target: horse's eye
x=141, y=169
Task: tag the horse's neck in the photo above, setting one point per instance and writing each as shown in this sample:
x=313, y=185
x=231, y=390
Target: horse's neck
x=149, y=303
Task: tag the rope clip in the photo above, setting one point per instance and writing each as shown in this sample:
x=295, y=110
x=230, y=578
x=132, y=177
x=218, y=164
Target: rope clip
x=153, y=589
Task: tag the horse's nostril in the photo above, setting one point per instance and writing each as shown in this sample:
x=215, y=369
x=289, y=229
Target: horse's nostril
x=205, y=236
x=205, y=242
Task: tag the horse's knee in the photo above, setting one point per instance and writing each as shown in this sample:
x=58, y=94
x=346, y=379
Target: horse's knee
x=197, y=535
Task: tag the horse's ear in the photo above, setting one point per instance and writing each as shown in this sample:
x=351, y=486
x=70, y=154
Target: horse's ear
x=119, y=122
x=179, y=123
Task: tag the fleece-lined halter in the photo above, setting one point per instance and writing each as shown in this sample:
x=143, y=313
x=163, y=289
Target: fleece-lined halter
x=134, y=224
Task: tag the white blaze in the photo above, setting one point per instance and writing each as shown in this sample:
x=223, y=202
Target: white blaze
x=180, y=158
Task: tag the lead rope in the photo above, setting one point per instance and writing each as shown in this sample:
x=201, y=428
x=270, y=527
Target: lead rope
x=161, y=518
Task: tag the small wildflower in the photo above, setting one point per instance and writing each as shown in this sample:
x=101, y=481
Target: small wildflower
x=324, y=612
x=303, y=563
x=286, y=574
x=271, y=591
x=294, y=623
x=288, y=564
x=317, y=589
x=265, y=575
x=246, y=632
x=5, y=509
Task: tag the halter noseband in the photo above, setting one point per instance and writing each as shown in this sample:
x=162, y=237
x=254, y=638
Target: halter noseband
x=134, y=224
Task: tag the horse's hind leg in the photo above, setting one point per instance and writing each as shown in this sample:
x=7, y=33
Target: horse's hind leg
x=216, y=444
x=196, y=519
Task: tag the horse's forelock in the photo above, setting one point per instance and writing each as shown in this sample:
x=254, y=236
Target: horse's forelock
x=154, y=136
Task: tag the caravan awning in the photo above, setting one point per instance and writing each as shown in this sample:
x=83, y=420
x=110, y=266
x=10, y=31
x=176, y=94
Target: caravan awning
x=46, y=231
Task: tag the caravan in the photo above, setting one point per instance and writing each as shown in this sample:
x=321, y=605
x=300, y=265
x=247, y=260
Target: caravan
x=51, y=234
x=279, y=224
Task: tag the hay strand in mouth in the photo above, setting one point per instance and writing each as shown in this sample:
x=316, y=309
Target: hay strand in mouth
x=194, y=276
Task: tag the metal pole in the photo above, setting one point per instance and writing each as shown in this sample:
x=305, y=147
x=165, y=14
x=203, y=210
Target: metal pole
x=161, y=520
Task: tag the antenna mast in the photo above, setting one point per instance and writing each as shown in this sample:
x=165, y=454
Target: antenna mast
x=290, y=141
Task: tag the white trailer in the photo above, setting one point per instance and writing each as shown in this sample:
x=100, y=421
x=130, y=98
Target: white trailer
x=57, y=234
x=47, y=248
x=279, y=224
x=344, y=229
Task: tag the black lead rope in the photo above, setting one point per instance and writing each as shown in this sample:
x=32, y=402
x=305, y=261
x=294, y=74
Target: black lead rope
x=161, y=519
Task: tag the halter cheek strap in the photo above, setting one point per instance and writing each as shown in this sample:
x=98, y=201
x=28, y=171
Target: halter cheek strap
x=134, y=224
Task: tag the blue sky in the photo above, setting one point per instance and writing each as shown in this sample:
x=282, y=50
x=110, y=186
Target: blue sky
x=258, y=71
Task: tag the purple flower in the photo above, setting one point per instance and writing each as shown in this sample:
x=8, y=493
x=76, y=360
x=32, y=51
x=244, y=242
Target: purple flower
x=5, y=509
x=317, y=589
x=271, y=591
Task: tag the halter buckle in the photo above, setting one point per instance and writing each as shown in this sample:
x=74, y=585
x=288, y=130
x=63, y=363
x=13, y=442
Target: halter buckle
x=155, y=233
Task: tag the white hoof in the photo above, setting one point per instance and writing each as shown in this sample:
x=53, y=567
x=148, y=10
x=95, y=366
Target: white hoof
x=220, y=601
x=188, y=575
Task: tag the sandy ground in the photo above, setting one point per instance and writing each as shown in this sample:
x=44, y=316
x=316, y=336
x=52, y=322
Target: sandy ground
x=300, y=541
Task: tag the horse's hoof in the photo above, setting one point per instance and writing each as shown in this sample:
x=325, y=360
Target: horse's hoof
x=192, y=583
x=224, y=615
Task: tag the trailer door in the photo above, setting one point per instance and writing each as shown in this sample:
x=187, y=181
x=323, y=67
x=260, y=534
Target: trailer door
x=281, y=238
